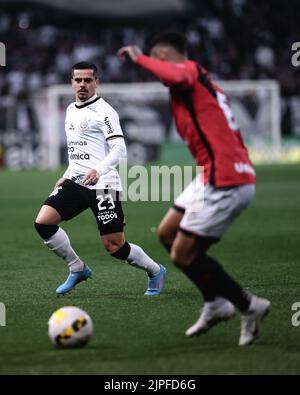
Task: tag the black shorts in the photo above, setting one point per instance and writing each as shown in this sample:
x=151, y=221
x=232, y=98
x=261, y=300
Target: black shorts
x=71, y=199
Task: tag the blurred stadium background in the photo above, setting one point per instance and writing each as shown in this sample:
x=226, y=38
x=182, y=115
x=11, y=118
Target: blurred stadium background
x=246, y=44
x=236, y=40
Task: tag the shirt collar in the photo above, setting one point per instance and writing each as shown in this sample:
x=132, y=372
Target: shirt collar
x=84, y=103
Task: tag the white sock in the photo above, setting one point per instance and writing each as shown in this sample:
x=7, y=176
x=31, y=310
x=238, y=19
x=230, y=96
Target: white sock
x=137, y=257
x=60, y=244
x=218, y=301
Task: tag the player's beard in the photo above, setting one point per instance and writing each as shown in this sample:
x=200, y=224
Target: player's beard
x=83, y=95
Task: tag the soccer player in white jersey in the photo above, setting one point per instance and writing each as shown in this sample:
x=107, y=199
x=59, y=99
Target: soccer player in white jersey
x=95, y=147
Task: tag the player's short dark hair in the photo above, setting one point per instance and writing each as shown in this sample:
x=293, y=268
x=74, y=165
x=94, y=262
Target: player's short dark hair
x=175, y=39
x=84, y=65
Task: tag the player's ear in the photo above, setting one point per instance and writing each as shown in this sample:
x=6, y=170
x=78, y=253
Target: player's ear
x=163, y=55
x=158, y=53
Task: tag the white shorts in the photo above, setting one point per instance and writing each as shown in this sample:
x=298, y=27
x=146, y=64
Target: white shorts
x=210, y=212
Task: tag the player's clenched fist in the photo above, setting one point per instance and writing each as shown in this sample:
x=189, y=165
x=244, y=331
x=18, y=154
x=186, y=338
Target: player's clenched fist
x=91, y=177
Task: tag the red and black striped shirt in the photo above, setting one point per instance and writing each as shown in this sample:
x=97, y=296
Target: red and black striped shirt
x=205, y=122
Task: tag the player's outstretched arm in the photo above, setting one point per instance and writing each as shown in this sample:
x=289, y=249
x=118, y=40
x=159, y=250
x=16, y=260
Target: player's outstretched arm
x=170, y=73
x=131, y=51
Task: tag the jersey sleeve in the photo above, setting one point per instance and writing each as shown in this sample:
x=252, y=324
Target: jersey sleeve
x=115, y=156
x=110, y=125
x=182, y=74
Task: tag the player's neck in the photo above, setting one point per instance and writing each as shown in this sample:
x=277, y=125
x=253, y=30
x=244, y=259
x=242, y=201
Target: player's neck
x=179, y=59
x=81, y=103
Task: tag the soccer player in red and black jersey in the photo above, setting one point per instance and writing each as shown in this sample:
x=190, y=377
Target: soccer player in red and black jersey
x=206, y=124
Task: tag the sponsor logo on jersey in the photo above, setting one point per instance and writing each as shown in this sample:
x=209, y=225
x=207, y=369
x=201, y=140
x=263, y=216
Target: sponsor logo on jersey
x=93, y=108
x=77, y=142
x=71, y=127
x=241, y=167
x=78, y=156
x=84, y=124
x=78, y=179
x=109, y=126
x=107, y=217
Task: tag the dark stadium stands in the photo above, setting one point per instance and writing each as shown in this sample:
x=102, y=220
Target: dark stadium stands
x=235, y=39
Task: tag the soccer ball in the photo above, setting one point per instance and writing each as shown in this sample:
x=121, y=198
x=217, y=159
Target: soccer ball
x=70, y=327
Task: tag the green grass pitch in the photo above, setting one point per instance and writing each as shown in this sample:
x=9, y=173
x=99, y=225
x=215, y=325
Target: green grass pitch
x=134, y=334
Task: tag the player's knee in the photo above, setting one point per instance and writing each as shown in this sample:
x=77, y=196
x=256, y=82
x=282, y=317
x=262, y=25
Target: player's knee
x=165, y=236
x=112, y=245
x=48, y=215
x=177, y=257
x=181, y=257
x=45, y=231
x=122, y=252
